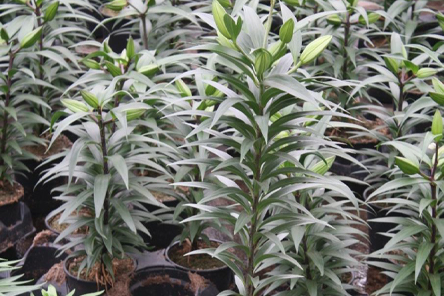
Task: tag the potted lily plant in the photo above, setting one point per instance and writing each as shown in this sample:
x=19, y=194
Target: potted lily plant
x=262, y=134
x=101, y=179
x=413, y=248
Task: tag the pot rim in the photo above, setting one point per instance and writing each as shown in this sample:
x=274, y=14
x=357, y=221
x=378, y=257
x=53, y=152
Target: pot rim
x=167, y=257
x=51, y=215
x=161, y=269
x=67, y=273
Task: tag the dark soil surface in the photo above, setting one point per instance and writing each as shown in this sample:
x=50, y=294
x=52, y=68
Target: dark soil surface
x=61, y=143
x=196, y=262
x=55, y=225
x=346, y=135
x=121, y=267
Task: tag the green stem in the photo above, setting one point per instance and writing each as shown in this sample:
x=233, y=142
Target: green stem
x=269, y=22
x=295, y=68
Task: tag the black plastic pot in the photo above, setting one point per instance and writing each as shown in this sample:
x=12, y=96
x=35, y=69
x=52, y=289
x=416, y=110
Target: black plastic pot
x=221, y=277
x=380, y=95
x=162, y=234
x=39, y=198
x=82, y=286
x=15, y=224
x=38, y=261
x=344, y=167
x=146, y=282
x=168, y=203
x=48, y=226
x=117, y=41
x=377, y=240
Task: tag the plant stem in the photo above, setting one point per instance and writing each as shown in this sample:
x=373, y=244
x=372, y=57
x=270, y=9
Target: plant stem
x=144, y=33
x=269, y=22
x=434, y=214
x=256, y=197
x=105, y=165
x=116, y=103
x=346, y=37
x=38, y=13
x=401, y=93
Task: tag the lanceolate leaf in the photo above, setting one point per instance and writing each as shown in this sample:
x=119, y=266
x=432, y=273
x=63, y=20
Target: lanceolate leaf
x=101, y=183
x=121, y=167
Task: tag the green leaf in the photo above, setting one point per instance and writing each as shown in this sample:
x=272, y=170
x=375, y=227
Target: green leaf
x=233, y=28
x=402, y=275
x=297, y=233
x=438, y=85
x=406, y=232
x=120, y=165
x=318, y=260
x=219, y=18
x=412, y=66
x=435, y=280
x=101, y=183
x=125, y=214
x=406, y=165
x=421, y=257
x=241, y=221
x=183, y=88
x=323, y=166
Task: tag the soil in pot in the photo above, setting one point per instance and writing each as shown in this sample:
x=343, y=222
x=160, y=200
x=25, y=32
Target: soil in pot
x=54, y=225
x=361, y=142
x=95, y=280
x=15, y=218
x=168, y=200
x=198, y=262
x=204, y=265
x=10, y=195
x=169, y=281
